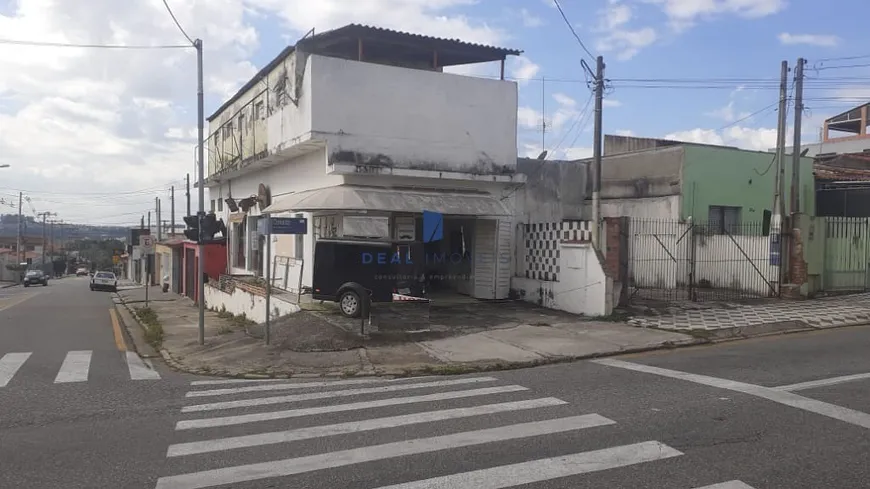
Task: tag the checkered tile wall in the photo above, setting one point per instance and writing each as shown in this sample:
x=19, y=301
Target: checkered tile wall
x=543, y=246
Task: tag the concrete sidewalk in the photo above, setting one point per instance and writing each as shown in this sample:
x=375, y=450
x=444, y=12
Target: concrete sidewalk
x=230, y=350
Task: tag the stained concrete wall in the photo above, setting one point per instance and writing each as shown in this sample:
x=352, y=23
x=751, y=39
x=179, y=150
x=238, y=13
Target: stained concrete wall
x=554, y=190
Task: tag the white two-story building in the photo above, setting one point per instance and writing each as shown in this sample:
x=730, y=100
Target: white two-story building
x=360, y=130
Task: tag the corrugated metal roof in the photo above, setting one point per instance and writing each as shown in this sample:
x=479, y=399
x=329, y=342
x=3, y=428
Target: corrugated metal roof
x=381, y=30
x=827, y=172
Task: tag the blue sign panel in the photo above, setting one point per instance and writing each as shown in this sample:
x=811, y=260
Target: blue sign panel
x=433, y=227
x=289, y=225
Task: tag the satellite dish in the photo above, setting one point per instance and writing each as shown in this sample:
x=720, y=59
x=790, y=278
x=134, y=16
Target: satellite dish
x=264, y=197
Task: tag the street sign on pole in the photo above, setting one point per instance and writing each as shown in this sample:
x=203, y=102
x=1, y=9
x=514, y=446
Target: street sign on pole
x=287, y=225
x=146, y=244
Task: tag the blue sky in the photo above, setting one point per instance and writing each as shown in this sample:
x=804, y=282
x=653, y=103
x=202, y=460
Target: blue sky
x=722, y=45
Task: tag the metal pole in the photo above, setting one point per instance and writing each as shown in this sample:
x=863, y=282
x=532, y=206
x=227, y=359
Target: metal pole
x=157, y=210
x=188, y=194
x=268, y=275
x=172, y=210
x=200, y=122
x=796, y=152
x=596, y=153
x=43, y=240
x=18, y=243
x=148, y=283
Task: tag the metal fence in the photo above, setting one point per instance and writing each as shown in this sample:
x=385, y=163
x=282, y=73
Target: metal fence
x=847, y=253
x=671, y=260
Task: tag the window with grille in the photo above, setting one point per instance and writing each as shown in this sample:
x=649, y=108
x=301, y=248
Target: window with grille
x=722, y=219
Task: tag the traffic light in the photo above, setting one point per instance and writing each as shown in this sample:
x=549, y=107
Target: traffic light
x=211, y=226
x=192, y=231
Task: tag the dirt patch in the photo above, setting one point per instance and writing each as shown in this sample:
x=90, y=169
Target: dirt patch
x=307, y=331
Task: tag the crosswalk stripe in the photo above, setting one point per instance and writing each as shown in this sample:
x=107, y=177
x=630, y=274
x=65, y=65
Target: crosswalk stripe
x=281, y=468
x=260, y=439
x=336, y=408
x=138, y=369
x=258, y=381
x=9, y=365
x=549, y=468
x=278, y=387
x=264, y=401
x=75, y=367
x=728, y=485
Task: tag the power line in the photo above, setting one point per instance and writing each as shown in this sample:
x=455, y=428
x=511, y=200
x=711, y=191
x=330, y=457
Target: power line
x=91, y=46
x=749, y=116
x=568, y=23
x=177, y=24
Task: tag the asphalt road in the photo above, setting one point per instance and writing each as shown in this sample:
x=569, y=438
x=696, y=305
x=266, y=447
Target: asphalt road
x=732, y=416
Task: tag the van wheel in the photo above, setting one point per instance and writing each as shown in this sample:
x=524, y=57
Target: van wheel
x=350, y=304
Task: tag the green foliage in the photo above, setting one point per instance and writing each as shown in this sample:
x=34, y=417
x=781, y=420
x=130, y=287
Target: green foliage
x=153, y=328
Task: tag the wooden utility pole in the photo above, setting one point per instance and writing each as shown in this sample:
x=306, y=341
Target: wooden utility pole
x=44, y=215
x=172, y=210
x=20, y=224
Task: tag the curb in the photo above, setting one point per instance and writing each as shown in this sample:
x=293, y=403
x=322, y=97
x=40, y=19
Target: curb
x=129, y=334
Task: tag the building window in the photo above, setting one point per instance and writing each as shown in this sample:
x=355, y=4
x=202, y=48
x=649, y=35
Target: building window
x=220, y=205
x=258, y=111
x=240, y=232
x=212, y=205
x=241, y=122
x=299, y=246
x=724, y=219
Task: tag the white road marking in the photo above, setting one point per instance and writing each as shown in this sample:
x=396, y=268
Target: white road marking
x=75, y=367
x=263, y=401
x=278, y=387
x=822, y=382
x=281, y=468
x=256, y=381
x=728, y=485
x=833, y=411
x=337, y=408
x=548, y=468
x=9, y=365
x=138, y=369
x=260, y=439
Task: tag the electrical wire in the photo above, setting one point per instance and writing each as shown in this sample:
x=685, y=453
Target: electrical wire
x=571, y=27
x=177, y=24
x=750, y=116
x=91, y=46
x=580, y=115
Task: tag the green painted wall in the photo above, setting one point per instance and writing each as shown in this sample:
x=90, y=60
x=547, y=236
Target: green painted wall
x=730, y=177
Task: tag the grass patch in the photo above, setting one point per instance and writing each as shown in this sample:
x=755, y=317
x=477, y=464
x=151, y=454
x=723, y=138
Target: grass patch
x=224, y=329
x=153, y=328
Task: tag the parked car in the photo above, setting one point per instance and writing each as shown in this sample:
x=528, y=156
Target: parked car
x=104, y=281
x=81, y=272
x=35, y=277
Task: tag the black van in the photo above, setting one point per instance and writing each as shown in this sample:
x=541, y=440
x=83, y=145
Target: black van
x=345, y=269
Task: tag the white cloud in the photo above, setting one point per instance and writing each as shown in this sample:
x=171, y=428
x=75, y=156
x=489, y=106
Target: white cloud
x=810, y=39
x=530, y=20
x=685, y=13
x=564, y=100
x=574, y=153
x=609, y=102
x=616, y=36
x=79, y=120
x=624, y=132
x=727, y=113
x=759, y=139
x=522, y=68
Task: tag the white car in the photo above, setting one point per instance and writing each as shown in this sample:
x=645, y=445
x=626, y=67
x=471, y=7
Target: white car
x=104, y=281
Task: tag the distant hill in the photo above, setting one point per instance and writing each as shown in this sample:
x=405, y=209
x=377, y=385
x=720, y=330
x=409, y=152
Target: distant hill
x=33, y=228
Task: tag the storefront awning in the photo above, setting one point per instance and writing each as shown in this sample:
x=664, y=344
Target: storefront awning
x=360, y=198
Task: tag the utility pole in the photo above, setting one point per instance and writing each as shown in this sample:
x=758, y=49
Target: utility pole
x=596, y=154
x=159, y=222
x=778, y=196
x=18, y=243
x=149, y=220
x=142, y=222
x=796, y=152
x=172, y=210
x=44, y=215
x=778, y=204
x=543, y=115
x=200, y=122
x=187, y=194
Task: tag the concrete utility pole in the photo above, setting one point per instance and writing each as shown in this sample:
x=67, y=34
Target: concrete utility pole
x=172, y=210
x=796, y=152
x=596, y=154
x=141, y=225
x=159, y=222
x=20, y=223
x=778, y=197
x=44, y=215
x=200, y=123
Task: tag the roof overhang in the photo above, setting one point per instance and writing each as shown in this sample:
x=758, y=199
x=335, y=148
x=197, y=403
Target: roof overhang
x=383, y=199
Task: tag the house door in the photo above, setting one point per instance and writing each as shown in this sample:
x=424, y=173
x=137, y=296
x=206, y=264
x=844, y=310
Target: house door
x=190, y=274
x=177, y=275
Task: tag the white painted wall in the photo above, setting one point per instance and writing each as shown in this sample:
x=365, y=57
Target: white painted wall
x=304, y=172
x=415, y=118
x=583, y=288
x=646, y=208
x=251, y=305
